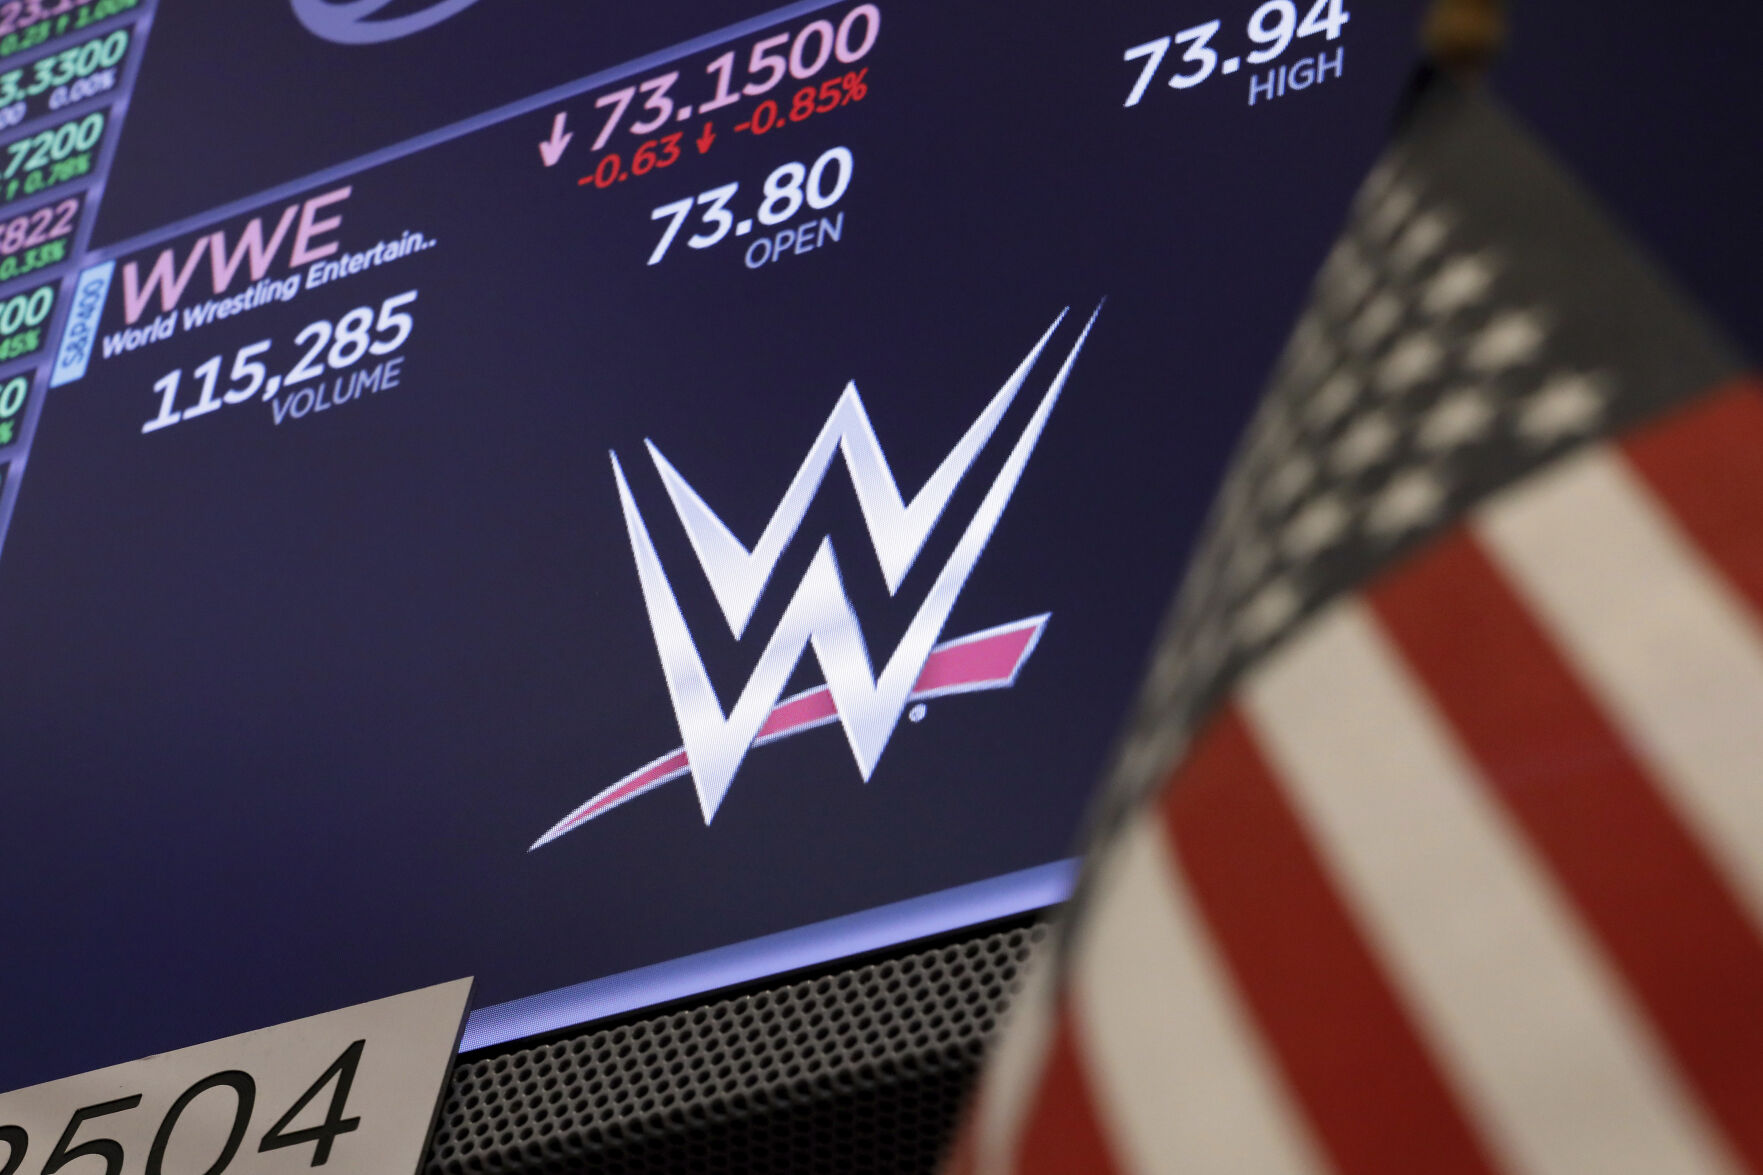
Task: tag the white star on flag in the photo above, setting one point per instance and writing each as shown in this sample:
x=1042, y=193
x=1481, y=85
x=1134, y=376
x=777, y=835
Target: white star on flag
x=1459, y=284
x=1567, y=405
x=1421, y=239
x=1391, y=211
x=1513, y=337
x=1315, y=527
x=1333, y=399
x=1413, y=498
x=1462, y=416
x=1414, y=360
x=1375, y=321
x=1292, y=478
x=1364, y=444
x=1267, y=612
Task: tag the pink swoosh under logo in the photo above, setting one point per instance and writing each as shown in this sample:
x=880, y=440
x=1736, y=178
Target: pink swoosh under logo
x=979, y=661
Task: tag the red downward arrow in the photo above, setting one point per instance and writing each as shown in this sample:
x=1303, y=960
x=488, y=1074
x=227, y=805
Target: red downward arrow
x=707, y=138
x=551, y=150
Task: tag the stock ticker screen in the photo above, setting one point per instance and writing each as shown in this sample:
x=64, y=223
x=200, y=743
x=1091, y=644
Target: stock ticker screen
x=615, y=500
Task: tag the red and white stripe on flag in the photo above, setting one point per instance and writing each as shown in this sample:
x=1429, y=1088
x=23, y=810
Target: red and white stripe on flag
x=1465, y=877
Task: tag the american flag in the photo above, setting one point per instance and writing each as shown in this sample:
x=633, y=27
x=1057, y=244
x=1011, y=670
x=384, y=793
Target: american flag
x=1436, y=842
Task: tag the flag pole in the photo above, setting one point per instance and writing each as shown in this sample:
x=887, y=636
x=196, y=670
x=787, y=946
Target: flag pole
x=1464, y=36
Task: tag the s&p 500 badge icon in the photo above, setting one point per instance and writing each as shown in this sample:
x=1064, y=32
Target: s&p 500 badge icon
x=351, y=22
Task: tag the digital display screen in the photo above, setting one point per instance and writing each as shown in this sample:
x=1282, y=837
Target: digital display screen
x=616, y=504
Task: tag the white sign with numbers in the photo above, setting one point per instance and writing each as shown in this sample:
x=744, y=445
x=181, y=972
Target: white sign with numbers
x=355, y=1090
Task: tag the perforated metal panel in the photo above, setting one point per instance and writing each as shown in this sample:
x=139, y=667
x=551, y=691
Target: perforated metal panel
x=861, y=1070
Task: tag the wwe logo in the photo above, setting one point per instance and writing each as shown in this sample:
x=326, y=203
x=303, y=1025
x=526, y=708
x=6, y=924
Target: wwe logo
x=867, y=705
